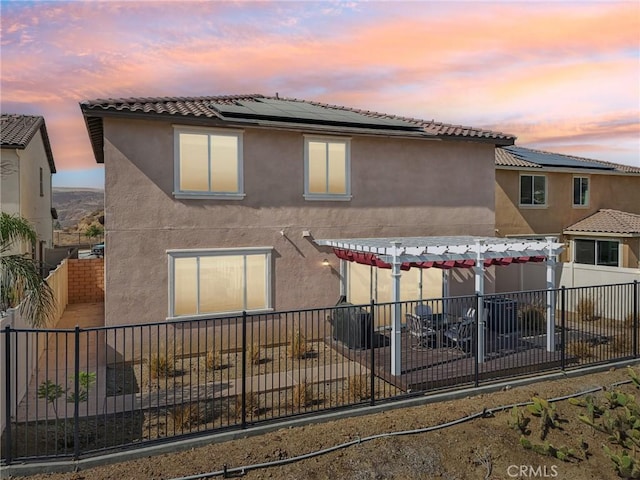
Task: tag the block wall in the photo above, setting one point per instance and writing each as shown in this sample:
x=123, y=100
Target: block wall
x=86, y=280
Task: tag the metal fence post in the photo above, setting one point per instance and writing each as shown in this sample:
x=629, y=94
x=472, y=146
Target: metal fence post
x=475, y=338
x=76, y=396
x=244, y=370
x=635, y=319
x=372, y=346
x=563, y=293
x=7, y=392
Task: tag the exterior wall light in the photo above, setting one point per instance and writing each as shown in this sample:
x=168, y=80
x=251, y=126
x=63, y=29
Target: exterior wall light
x=325, y=263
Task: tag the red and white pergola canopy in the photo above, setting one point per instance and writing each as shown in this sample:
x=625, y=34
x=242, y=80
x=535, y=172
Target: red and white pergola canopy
x=443, y=252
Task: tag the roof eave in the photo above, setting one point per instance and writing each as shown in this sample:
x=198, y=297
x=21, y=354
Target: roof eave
x=601, y=234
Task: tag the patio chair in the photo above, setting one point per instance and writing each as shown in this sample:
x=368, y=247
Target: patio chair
x=460, y=335
x=424, y=334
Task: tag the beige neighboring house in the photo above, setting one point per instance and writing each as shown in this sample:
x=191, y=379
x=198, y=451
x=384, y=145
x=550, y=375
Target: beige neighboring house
x=608, y=237
x=542, y=193
x=214, y=202
x=26, y=168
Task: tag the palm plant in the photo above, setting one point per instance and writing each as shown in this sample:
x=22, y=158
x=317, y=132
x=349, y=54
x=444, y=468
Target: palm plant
x=20, y=279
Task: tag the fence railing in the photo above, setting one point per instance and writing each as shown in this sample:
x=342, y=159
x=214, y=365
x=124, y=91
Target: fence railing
x=100, y=389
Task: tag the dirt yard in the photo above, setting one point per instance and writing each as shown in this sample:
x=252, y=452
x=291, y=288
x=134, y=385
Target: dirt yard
x=479, y=449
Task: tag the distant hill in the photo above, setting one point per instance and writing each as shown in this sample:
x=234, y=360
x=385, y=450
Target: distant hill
x=75, y=204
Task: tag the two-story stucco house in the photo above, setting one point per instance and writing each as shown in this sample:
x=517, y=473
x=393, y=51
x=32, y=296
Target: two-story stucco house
x=26, y=167
x=213, y=203
x=542, y=193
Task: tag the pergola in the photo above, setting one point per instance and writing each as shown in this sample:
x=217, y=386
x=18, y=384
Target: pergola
x=404, y=253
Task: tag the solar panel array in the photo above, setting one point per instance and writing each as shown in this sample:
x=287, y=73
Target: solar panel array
x=548, y=159
x=287, y=110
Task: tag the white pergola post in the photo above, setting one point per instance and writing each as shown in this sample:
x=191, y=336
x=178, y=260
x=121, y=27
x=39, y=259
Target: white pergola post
x=396, y=316
x=551, y=296
x=479, y=271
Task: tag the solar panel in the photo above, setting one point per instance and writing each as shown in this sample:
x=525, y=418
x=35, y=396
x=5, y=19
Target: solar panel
x=549, y=159
x=293, y=111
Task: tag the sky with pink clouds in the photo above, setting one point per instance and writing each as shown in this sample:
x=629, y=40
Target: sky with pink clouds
x=562, y=76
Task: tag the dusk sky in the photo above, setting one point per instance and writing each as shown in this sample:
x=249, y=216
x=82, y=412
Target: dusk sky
x=561, y=76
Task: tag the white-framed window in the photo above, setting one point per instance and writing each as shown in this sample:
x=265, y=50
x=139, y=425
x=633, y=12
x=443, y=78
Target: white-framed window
x=596, y=252
x=219, y=281
x=208, y=163
x=327, y=168
x=580, y=191
x=533, y=190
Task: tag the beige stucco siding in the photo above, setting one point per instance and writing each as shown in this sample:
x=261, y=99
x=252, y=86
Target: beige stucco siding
x=618, y=192
x=400, y=187
x=20, y=189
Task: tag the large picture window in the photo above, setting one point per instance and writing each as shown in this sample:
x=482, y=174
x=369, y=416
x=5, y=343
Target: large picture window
x=580, y=191
x=533, y=190
x=209, y=282
x=208, y=163
x=327, y=169
x=597, y=252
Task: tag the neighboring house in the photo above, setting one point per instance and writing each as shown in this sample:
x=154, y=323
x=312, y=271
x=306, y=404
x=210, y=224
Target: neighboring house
x=608, y=238
x=26, y=167
x=214, y=202
x=541, y=193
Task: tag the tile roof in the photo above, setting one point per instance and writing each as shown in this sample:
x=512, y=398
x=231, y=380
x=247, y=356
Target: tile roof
x=16, y=131
x=238, y=109
x=508, y=157
x=608, y=221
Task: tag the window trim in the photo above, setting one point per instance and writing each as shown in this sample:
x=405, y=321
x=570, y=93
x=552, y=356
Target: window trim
x=596, y=240
x=211, y=195
x=217, y=252
x=345, y=197
x=588, y=179
x=546, y=192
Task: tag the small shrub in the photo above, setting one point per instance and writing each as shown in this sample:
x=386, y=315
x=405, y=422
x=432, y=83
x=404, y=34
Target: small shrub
x=185, y=416
x=586, y=309
x=518, y=421
x=358, y=388
x=252, y=404
x=622, y=344
x=214, y=360
x=580, y=349
x=254, y=354
x=298, y=347
x=161, y=365
x=302, y=395
x=532, y=320
x=628, y=321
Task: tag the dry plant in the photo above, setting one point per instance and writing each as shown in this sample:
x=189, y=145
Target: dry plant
x=254, y=354
x=252, y=404
x=214, y=360
x=586, y=309
x=302, y=395
x=580, y=349
x=185, y=416
x=161, y=365
x=298, y=347
x=358, y=388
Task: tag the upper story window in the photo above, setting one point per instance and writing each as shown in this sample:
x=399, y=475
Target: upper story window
x=580, y=191
x=327, y=168
x=41, y=183
x=219, y=281
x=208, y=163
x=597, y=252
x=533, y=190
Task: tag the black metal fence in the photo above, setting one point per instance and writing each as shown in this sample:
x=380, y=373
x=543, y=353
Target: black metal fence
x=74, y=393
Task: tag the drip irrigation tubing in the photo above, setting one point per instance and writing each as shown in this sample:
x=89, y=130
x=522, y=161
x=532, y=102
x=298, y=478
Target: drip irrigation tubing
x=487, y=412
